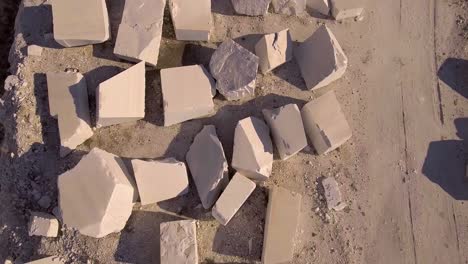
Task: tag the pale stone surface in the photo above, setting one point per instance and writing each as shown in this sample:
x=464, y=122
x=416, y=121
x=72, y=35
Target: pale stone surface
x=251, y=7
x=233, y=197
x=88, y=26
x=179, y=242
x=42, y=224
x=160, y=180
x=68, y=102
x=139, y=35
x=208, y=165
x=235, y=70
x=195, y=86
x=122, y=98
x=96, y=196
x=287, y=129
x=191, y=19
x=273, y=50
x=321, y=59
x=332, y=194
x=289, y=7
x=320, y=6
x=48, y=260
x=342, y=9
x=325, y=123
x=34, y=50
x=281, y=222
x=253, y=149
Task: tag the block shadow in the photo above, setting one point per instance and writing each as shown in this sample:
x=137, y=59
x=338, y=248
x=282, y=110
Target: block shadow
x=453, y=73
x=222, y=7
x=37, y=27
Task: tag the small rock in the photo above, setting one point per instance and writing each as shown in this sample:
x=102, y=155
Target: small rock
x=333, y=194
x=251, y=7
x=342, y=9
x=289, y=7
x=42, y=224
x=10, y=82
x=178, y=242
x=44, y=202
x=34, y=50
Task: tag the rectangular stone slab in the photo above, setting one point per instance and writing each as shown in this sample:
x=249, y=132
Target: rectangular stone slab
x=332, y=194
x=42, y=224
x=78, y=23
x=191, y=19
x=274, y=50
x=233, y=197
x=342, y=9
x=48, y=260
x=281, y=222
x=178, y=242
x=139, y=35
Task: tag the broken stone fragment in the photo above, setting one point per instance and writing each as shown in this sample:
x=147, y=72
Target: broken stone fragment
x=208, y=165
x=88, y=26
x=160, y=180
x=273, y=50
x=196, y=88
x=281, y=222
x=287, y=129
x=325, y=123
x=48, y=260
x=321, y=59
x=320, y=6
x=332, y=194
x=42, y=224
x=96, y=196
x=178, y=242
x=253, y=149
x=191, y=19
x=68, y=102
x=251, y=7
x=121, y=99
x=289, y=7
x=139, y=35
x=34, y=50
x=235, y=70
x=342, y=9
x=233, y=197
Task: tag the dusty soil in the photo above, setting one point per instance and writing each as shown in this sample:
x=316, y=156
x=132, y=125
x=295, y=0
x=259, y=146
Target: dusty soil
x=402, y=172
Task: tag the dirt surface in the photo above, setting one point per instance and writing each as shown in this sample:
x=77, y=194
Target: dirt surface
x=404, y=95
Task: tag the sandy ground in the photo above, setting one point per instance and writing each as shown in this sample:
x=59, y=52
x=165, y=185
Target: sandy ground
x=404, y=95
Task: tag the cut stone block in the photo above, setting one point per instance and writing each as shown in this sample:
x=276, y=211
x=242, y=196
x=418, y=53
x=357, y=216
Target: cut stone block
x=179, y=242
x=208, y=165
x=320, y=6
x=281, y=222
x=273, y=50
x=321, y=59
x=332, y=194
x=196, y=88
x=42, y=224
x=139, y=35
x=342, y=9
x=34, y=50
x=121, y=99
x=96, y=196
x=287, y=129
x=253, y=149
x=325, y=123
x=88, y=26
x=48, y=260
x=289, y=7
x=160, y=180
x=68, y=101
x=233, y=197
x=251, y=7
x=191, y=19
x=235, y=70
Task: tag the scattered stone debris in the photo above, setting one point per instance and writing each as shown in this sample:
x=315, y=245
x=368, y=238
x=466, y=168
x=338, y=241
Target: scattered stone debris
x=89, y=26
x=325, y=123
x=179, y=242
x=10, y=82
x=96, y=196
x=235, y=70
x=253, y=149
x=34, y=50
x=196, y=86
x=48, y=260
x=42, y=224
x=251, y=7
x=191, y=19
x=121, y=99
x=289, y=7
x=160, y=180
x=321, y=59
x=208, y=165
x=342, y=9
x=139, y=35
x=68, y=102
x=281, y=222
x=233, y=197
x=332, y=194
x=274, y=50
x=320, y=6
x=287, y=129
